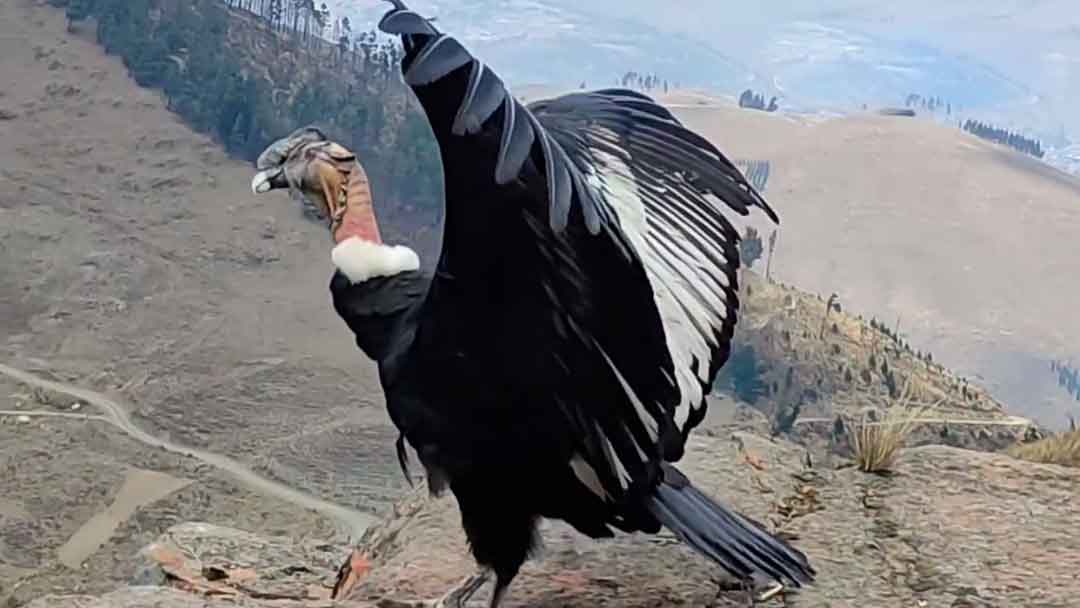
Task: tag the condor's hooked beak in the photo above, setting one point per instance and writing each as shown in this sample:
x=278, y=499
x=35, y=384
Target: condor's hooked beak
x=269, y=179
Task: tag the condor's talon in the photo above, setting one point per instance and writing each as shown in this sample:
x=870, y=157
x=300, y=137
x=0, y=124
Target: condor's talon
x=459, y=596
x=768, y=594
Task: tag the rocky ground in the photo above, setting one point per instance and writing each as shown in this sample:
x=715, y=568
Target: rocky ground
x=949, y=527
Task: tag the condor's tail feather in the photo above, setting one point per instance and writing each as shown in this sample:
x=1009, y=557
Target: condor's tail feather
x=740, y=546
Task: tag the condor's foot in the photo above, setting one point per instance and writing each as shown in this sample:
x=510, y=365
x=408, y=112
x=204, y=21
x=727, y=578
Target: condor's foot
x=754, y=590
x=356, y=566
x=458, y=597
x=770, y=592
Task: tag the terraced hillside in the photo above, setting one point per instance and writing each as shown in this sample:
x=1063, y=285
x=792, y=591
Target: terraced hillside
x=804, y=362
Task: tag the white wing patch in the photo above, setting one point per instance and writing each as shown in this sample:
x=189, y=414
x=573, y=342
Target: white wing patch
x=650, y=218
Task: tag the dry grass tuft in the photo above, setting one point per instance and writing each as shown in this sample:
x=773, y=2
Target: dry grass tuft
x=877, y=444
x=1063, y=449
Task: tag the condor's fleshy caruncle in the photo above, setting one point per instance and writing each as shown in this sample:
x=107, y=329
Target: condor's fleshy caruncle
x=555, y=361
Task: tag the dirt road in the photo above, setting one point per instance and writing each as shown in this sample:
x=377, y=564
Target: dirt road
x=353, y=522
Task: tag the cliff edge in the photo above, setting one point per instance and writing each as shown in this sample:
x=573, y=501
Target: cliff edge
x=949, y=527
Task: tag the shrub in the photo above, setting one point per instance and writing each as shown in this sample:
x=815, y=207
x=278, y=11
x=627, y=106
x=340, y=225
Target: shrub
x=876, y=445
x=1062, y=449
x=750, y=247
x=742, y=375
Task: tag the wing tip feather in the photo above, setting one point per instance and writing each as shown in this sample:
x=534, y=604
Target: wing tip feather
x=403, y=22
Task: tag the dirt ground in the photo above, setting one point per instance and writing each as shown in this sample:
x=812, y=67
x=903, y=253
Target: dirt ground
x=70, y=484
x=139, y=489
x=137, y=262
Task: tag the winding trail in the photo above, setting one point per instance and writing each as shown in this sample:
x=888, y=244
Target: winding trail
x=351, y=521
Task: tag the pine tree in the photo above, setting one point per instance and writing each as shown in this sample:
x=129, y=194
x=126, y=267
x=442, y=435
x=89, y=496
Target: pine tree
x=750, y=247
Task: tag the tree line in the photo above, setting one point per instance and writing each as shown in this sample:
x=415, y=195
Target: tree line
x=1003, y=136
x=932, y=103
x=249, y=71
x=640, y=81
x=756, y=101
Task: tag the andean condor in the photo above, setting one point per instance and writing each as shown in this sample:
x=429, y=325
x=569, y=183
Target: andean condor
x=585, y=297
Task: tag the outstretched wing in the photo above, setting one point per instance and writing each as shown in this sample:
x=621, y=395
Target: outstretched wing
x=668, y=187
x=597, y=220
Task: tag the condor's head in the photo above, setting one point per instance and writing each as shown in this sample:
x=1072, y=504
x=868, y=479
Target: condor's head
x=331, y=179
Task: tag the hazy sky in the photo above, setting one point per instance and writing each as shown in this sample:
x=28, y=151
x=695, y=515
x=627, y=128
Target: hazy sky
x=1033, y=44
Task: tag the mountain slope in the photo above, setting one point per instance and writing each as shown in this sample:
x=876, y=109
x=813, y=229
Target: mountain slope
x=832, y=53
x=970, y=244
x=842, y=55
x=821, y=362
x=814, y=63
x=567, y=43
x=135, y=261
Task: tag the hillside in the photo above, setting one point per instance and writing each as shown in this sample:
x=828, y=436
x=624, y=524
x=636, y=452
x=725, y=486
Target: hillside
x=135, y=262
x=833, y=53
x=803, y=364
x=970, y=245
x=248, y=73
x=539, y=41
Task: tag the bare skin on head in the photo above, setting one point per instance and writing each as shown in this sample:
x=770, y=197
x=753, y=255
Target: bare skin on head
x=330, y=177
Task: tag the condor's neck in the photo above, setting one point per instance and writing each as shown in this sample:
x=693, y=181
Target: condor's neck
x=381, y=312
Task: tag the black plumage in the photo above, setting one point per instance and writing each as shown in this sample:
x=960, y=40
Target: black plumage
x=584, y=300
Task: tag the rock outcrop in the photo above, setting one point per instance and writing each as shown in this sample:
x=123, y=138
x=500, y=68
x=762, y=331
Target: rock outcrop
x=949, y=528
x=803, y=361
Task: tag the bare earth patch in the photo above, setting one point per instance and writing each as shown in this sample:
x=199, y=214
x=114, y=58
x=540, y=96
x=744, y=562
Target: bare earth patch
x=140, y=488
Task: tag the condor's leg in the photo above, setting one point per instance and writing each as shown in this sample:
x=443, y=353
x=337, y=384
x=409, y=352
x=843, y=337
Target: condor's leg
x=502, y=585
x=459, y=596
x=499, y=519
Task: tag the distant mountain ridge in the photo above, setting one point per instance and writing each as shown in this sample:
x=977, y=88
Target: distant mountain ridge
x=839, y=56
x=559, y=42
x=529, y=41
x=828, y=64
